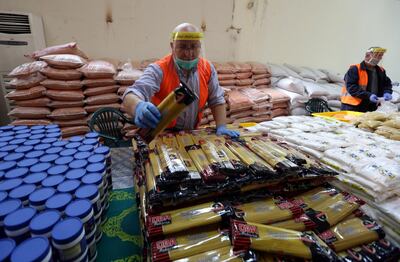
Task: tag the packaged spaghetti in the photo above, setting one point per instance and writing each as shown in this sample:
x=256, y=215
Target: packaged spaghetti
x=352, y=233
x=315, y=197
x=188, y=245
x=184, y=139
x=381, y=250
x=194, y=175
x=257, y=165
x=187, y=218
x=224, y=254
x=267, y=211
x=266, y=257
x=325, y=215
x=279, y=241
x=295, y=158
x=172, y=165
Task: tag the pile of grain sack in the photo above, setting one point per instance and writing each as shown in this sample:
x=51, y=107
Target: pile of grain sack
x=303, y=83
x=64, y=87
x=385, y=124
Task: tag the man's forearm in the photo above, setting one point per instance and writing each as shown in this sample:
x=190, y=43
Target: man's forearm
x=129, y=104
x=219, y=114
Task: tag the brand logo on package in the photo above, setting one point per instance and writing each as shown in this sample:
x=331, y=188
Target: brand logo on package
x=161, y=220
x=166, y=245
x=248, y=230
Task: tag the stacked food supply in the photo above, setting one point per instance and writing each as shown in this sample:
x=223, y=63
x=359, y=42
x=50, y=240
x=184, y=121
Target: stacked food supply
x=387, y=125
x=53, y=194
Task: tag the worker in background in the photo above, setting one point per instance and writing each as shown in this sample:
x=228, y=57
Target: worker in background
x=162, y=77
x=365, y=83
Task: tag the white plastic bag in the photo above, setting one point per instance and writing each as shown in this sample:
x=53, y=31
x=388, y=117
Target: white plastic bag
x=387, y=107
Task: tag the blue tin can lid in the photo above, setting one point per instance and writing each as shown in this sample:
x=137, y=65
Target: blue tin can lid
x=49, y=140
x=16, y=128
x=23, y=149
x=96, y=158
x=68, y=186
x=90, y=141
x=7, y=165
x=22, y=192
x=17, y=141
x=9, y=148
x=68, y=152
x=23, y=131
x=37, y=127
x=2, y=173
x=67, y=230
x=40, y=167
x=5, y=128
x=3, y=195
x=38, y=136
x=53, y=130
x=76, y=139
x=73, y=145
x=51, y=126
x=39, y=196
x=23, y=136
x=31, y=142
x=96, y=168
x=104, y=150
x=7, y=246
x=34, y=154
x=53, y=181
x=93, y=135
x=44, y=222
x=49, y=158
x=19, y=218
x=79, y=208
x=3, y=155
x=60, y=143
x=6, y=138
x=7, y=133
x=16, y=172
x=10, y=184
x=58, y=201
x=9, y=206
x=57, y=170
x=35, y=178
x=64, y=160
x=38, y=132
x=14, y=157
x=3, y=144
x=85, y=148
x=42, y=146
x=87, y=192
x=92, y=178
x=55, y=134
x=75, y=173
x=82, y=155
x=28, y=162
x=32, y=249
x=54, y=150
x=78, y=164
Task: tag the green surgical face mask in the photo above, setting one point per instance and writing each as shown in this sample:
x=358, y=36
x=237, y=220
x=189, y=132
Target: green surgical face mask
x=186, y=64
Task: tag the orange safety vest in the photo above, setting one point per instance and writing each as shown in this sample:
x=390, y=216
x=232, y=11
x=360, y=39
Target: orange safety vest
x=346, y=98
x=170, y=81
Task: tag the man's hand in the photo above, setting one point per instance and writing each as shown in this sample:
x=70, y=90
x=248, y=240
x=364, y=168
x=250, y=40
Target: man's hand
x=387, y=96
x=147, y=115
x=373, y=98
x=222, y=130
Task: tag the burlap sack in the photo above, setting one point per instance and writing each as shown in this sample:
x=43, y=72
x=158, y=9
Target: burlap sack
x=244, y=82
x=98, y=69
x=261, y=76
x=102, y=99
x=94, y=108
x=30, y=122
x=37, y=102
x=224, y=68
x=262, y=81
x=27, y=82
x=69, y=48
x=66, y=104
x=121, y=90
x=27, y=94
x=62, y=85
x=64, y=61
x=128, y=75
x=61, y=95
x=94, y=91
x=74, y=131
x=244, y=75
x=68, y=113
x=27, y=69
x=61, y=74
x=69, y=123
x=241, y=66
x=231, y=82
x=98, y=82
x=226, y=77
x=30, y=112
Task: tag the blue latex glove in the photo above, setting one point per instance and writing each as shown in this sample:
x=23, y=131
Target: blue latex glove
x=147, y=115
x=373, y=98
x=387, y=96
x=222, y=130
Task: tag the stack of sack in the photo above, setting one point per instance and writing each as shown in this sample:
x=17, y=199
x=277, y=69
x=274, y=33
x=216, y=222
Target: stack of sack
x=29, y=96
x=280, y=102
x=387, y=125
x=126, y=76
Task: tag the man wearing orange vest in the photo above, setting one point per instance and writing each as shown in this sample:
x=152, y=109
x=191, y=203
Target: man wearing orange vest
x=365, y=83
x=162, y=77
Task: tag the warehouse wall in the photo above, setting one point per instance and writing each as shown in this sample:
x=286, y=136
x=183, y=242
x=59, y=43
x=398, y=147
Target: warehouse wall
x=316, y=33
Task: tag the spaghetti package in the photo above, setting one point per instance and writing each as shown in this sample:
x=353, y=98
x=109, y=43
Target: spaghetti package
x=266, y=257
x=188, y=245
x=224, y=254
x=315, y=197
x=171, y=162
x=187, y=218
x=381, y=250
x=279, y=241
x=325, y=215
x=267, y=211
x=351, y=233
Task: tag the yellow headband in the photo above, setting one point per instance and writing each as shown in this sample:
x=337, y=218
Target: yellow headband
x=187, y=36
x=376, y=50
